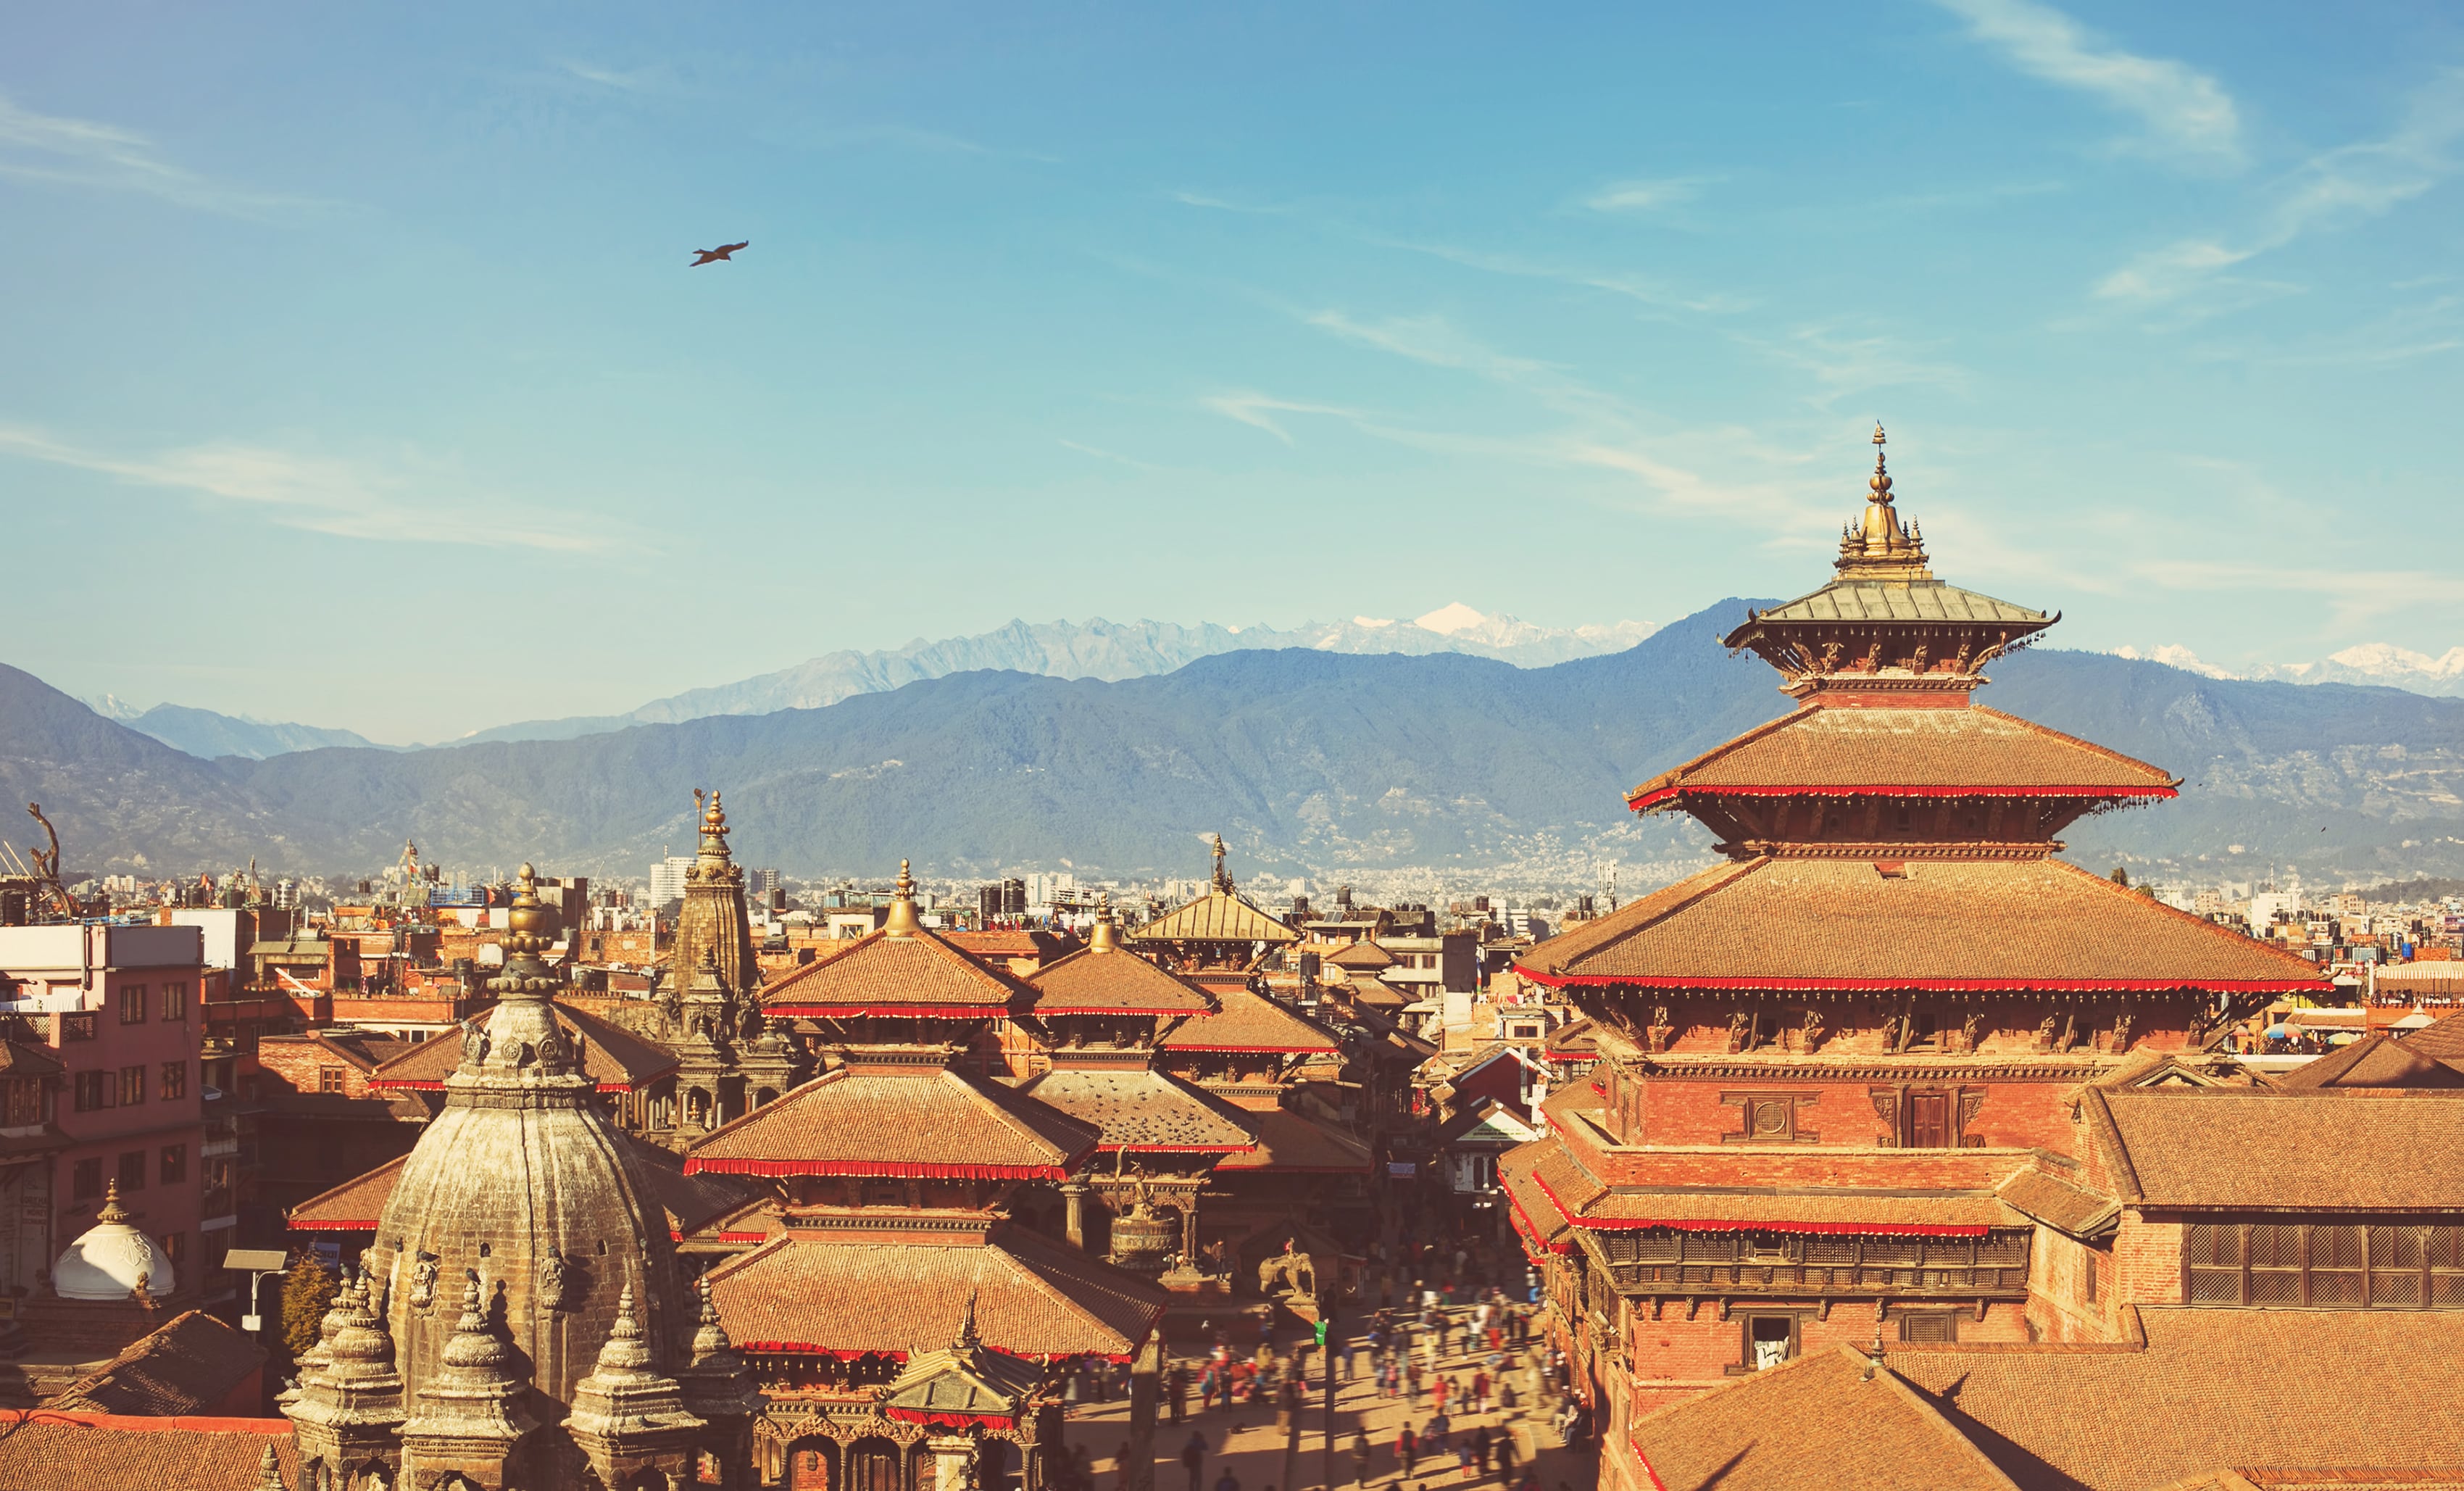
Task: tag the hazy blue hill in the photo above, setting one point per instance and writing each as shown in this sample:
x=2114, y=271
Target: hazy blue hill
x=115, y=796
x=205, y=734
x=1310, y=762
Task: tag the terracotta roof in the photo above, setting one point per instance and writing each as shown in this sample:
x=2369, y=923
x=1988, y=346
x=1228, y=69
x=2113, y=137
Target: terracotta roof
x=1585, y=1203
x=1088, y=982
x=2060, y=1204
x=355, y=1205
x=692, y=1202
x=1819, y=1423
x=61, y=1452
x=621, y=1060
x=877, y=1119
x=2244, y=1149
x=855, y=1291
x=1219, y=916
x=1362, y=954
x=1919, y=600
x=20, y=1058
x=1249, y=1022
x=1777, y=924
x=2210, y=1388
x=1290, y=1142
x=1140, y=1109
x=1536, y=1219
x=1968, y=751
x=1012, y=941
x=920, y=975
x=2378, y=1060
x=194, y=1364
x=2442, y=1037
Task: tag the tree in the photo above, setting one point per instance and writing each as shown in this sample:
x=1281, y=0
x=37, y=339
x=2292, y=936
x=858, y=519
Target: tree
x=308, y=1292
x=2122, y=876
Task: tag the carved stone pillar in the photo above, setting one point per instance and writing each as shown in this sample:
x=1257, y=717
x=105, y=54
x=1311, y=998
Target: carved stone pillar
x=1074, y=1194
x=954, y=1456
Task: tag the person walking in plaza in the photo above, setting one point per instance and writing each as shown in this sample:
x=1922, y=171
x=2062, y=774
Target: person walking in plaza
x=1227, y=1481
x=1407, y=1451
x=1501, y=1445
x=1480, y=1444
x=1439, y=1392
x=1361, y=1455
x=1192, y=1456
x=1176, y=1391
x=1479, y=1391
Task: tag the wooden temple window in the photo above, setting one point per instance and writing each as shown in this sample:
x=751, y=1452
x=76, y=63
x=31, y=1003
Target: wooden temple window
x=1770, y=1118
x=2260, y=1264
x=1930, y=1325
x=1765, y=1341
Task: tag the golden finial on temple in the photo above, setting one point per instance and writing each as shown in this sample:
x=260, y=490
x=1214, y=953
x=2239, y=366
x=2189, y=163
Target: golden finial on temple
x=902, y=920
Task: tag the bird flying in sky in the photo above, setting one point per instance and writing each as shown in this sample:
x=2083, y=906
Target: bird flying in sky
x=723, y=254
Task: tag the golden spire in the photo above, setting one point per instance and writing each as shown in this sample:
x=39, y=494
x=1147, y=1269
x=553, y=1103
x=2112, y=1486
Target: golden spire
x=1106, y=936
x=112, y=1212
x=714, y=826
x=902, y=920
x=1223, y=879
x=1880, y=546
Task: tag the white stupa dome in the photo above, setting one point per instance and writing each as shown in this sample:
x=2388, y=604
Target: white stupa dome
x=111, y=1258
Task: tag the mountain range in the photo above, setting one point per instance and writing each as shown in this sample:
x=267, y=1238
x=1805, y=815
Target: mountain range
x=2380, y=663
x=1092, y=648
x=1387, y=768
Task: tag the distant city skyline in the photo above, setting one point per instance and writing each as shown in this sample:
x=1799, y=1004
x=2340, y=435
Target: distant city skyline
x=343, y=391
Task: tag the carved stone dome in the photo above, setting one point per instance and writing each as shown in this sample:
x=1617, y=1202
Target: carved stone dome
x=523, y=1184
x=112, y=1259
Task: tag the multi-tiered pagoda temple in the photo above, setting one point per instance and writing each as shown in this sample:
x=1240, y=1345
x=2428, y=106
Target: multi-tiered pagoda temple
x=1826, y=1060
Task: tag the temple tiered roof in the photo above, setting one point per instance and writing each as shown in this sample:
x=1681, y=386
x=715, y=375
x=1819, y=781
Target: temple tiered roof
x=1295, y=1144
x=1140, y=1109
x=903, y=971
x=691, y=1202
x=899, y=1114
x=1249, y=1022
x=1095, y=981
x=1222, y=915
x=882, y=1284
x=1912, y=752
x=1954, y=924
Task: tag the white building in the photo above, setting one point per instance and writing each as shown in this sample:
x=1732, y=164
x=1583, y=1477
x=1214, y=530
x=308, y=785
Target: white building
x=668, y=880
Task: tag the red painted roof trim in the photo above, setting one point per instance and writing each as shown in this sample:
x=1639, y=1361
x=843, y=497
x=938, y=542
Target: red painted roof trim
x=295, y=1225
x=694, y=1164
x=1645, y=801
x=1960, y=985
x=1701, y=1225
x=895, y=1011
x=1169, y=1044
x=1175, y=1148
x=1045, y=1009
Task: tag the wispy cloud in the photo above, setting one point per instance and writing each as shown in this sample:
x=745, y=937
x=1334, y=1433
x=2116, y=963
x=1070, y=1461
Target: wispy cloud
x=1218, y=204
x=2354, y=593
x=1638, y=288
x=2186, y=115
x=2335, y=188
x=1845, y=359
x=931, y=141
x=1258, y=410
x=1428, y=338
x=1647, y=196
x=317, y=494
x=641, y=79
x=78, y=152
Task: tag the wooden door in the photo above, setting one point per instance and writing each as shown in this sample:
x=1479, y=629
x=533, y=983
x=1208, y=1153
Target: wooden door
x=1929, y=1119
x=873, y=1466
x=809, y=1465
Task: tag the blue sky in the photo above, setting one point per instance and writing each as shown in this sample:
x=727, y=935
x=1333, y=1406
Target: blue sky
x=357, y=376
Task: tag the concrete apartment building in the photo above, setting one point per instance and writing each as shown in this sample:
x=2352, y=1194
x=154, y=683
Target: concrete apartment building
x=103, y=1087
